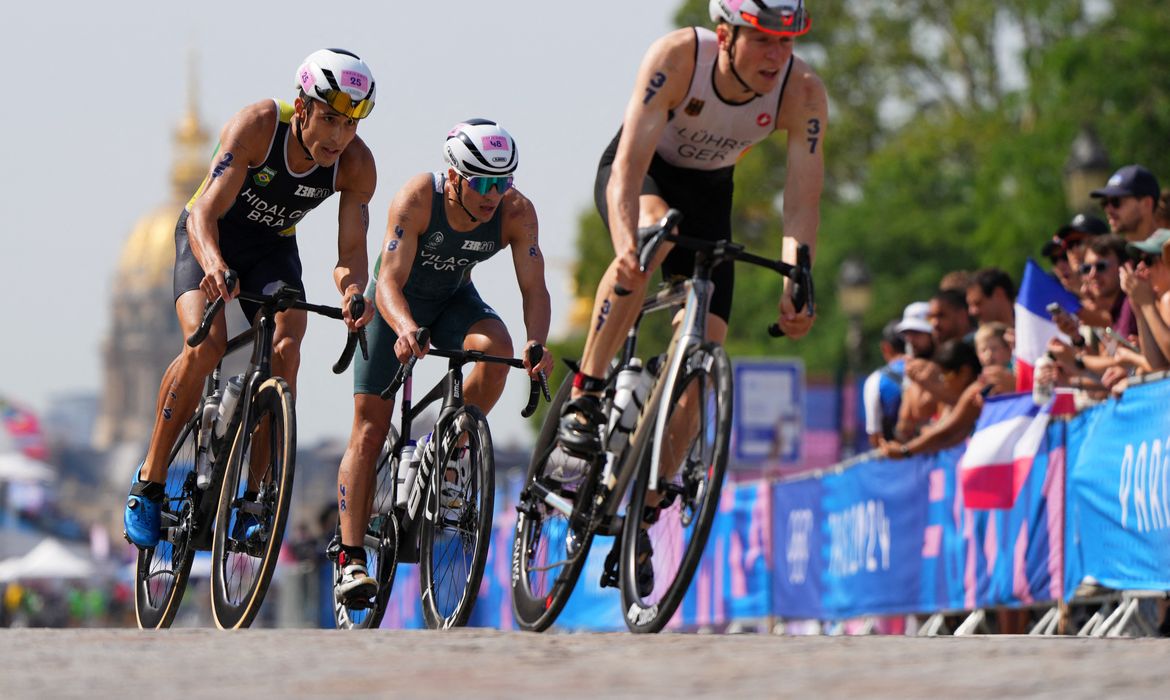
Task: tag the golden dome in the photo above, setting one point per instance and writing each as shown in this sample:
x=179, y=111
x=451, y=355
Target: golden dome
x=148, y=256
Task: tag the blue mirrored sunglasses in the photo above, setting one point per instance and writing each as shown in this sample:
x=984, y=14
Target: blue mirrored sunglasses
x=483, y=185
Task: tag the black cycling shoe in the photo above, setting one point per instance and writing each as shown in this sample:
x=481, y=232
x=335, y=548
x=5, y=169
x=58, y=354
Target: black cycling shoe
x=643, y=553
x=580, y=427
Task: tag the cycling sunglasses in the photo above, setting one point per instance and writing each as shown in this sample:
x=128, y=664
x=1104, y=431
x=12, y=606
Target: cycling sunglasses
x=1114, y=202
x=1147, y=259
x=483, y=184
x=784, y=22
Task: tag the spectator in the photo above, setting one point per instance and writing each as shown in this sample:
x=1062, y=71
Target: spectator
x=995, y=354
x=1066, y=250
x=991, y=297
x=1104, y=304
x=1129, y=199
x=1162, y=211
x=958, y=280
x=917, y=408
x=962, y=372
x=948, y=316
x=1147, y=286
x=882, y=391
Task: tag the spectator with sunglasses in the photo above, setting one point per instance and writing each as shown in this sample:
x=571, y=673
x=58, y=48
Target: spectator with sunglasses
x=1066, y=250
x=1130, y=199
x=440, y=226
x=274, y=163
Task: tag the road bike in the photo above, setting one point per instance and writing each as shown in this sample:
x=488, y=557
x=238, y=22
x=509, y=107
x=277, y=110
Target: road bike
x=408, y=522
x=676, y=457
x=229, y=480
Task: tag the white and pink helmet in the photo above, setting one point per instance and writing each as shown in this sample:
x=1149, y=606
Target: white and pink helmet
x=480, y=147
x=779, y=17
x=339, y=79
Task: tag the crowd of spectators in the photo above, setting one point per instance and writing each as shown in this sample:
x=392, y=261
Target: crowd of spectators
x=946, y=355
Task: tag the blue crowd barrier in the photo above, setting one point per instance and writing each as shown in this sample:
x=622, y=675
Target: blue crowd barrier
x=893, y=536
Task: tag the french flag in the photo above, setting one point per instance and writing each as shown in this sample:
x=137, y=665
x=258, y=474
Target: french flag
x=999, y=456
x=1034, y=325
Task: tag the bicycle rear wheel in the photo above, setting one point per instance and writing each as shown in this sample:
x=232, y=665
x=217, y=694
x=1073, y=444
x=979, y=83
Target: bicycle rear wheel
x=161, y=572
x=454, y=539
x=694, y=451
x=381, y=545
x=547, y=554
x=249, y=529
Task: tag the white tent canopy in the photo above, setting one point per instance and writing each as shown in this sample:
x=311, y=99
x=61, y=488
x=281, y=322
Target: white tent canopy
x=48, y=560
x=17, y=466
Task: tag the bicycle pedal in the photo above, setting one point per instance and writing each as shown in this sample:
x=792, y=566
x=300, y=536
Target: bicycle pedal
x=609, y=572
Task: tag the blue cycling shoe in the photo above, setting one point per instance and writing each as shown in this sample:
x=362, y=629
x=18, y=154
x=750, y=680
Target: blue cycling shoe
x=143, y=516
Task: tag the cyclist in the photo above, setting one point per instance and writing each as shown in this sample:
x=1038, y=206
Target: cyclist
x=440, y=226
x=274, y=163
x=701, y=99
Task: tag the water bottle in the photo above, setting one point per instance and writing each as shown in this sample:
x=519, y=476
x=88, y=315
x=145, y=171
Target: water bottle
x=424, y=450
x=404, y=476
x=206, y=423
x=231, y=394
x=1042, y=392
x=629, y=394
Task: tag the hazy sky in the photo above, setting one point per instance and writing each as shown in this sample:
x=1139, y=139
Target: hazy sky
x=98, y=90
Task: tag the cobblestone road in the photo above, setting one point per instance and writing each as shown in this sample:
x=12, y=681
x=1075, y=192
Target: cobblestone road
x=487, y=663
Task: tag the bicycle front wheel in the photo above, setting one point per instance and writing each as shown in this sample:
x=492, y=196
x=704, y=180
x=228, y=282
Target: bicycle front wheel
x=663, y=543
x=381, y=545
x=455, y=534
x=253, y=506
x=161, y=572
x=548, y=553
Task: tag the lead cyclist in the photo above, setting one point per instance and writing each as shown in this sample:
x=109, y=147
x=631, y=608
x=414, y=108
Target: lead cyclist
x=702, y=98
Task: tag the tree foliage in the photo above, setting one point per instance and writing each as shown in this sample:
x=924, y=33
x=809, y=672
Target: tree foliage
x=950, y=124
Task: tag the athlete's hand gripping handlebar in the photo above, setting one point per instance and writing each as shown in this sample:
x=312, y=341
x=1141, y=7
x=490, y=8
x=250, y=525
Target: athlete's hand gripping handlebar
x=357, y=308
x=649, y=240
x=211, y=311
x=539, y=386
x=423, y=337
x=802, y=287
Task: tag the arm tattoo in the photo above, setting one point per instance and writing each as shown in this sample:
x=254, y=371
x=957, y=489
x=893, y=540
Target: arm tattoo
x=223, y=164
x=365, y=218
x=656, y=84
x=814, y=130
x=393, y=244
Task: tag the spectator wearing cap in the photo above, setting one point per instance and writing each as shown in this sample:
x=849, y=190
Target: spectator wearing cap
x=882, y=391
x=991, y=297
x=1129, y=199
x=1066, y=250
x=917, y=408
x=1147, y=285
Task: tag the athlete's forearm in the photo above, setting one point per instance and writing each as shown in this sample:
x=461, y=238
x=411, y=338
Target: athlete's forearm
x=537, y=315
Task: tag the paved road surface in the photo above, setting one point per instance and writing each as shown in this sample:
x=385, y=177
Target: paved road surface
x=486, y=663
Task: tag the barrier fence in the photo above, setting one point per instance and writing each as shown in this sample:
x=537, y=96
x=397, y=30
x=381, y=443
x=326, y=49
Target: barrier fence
x=885, y=537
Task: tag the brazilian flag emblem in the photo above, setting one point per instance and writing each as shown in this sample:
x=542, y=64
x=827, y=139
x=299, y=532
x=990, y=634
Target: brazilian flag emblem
x=264, y=177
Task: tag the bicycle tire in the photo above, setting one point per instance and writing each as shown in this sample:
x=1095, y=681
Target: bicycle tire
x=380, y=542
x=540, y=589
x=161, y=572
x=453, y=543
x=236, y=601
x=679, y=533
